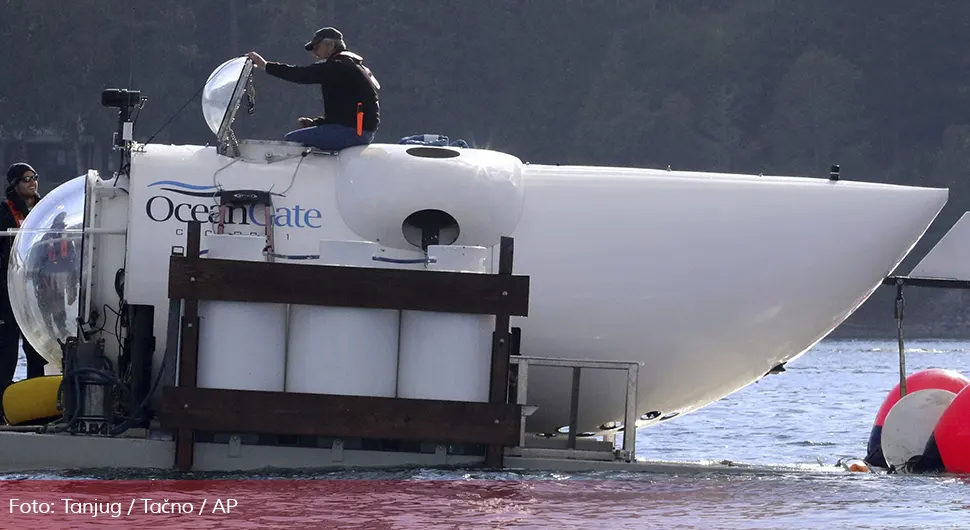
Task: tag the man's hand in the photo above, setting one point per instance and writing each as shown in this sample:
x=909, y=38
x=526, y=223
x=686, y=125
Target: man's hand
x=258, y=60
x=305, y=122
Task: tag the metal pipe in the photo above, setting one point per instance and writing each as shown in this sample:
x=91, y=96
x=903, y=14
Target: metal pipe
x=27, y=428
x=13, y=231
x=898, y=310
x=572, y=363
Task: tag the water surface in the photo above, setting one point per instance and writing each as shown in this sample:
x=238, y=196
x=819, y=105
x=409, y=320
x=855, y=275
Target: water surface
x=817, y=412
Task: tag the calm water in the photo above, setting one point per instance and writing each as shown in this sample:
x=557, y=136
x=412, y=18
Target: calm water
x=820, y=410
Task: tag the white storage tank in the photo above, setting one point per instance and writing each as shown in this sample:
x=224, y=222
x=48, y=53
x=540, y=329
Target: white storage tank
x=343, y=350
x=241, y=344
x=447, y=356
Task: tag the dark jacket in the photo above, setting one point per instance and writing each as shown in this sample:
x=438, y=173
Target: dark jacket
x=344, y=81
x=7, y=220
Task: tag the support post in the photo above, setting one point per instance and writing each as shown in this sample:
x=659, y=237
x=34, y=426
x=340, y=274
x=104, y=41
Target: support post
x=188, y=353
x=521, y=393
x=499, y=377
x=574, y=408
x=630, y=416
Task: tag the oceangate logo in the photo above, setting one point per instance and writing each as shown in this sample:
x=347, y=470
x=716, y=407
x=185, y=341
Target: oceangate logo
x=161, y=208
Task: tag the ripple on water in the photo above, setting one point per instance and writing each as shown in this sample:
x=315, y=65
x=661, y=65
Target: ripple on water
x=819, y=411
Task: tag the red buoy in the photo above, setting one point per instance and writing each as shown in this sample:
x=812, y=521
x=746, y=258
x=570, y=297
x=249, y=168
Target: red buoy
x=933, y=378
x=948, y=449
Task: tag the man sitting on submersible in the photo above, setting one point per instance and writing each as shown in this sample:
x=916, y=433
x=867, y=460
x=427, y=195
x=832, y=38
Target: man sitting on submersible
x=350, y=93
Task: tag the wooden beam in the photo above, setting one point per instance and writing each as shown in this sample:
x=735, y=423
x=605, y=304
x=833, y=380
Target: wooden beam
x=299, y=414
x=499, y=377
x=189, y=353
x=498, y=390
x=187, y=409
x=291, y=283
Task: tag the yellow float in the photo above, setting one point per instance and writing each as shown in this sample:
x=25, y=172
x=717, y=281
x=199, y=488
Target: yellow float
x=32, y=400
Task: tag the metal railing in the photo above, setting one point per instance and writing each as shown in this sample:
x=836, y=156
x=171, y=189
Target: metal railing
x=630, y=408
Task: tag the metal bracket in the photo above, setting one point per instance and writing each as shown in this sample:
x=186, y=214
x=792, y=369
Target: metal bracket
x=228, y=144
x=627, y=453
x=623, y=455
x=337, y=451
x=441, y=454
x=235, y=446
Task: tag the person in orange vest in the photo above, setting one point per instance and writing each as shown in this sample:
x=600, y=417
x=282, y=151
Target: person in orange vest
x=21, y=197
x=55, y=268
x=58, y=248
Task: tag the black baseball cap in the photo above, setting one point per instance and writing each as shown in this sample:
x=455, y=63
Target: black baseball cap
x=323, y=33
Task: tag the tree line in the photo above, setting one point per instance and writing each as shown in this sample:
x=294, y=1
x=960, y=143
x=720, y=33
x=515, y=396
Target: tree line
x=758, y=86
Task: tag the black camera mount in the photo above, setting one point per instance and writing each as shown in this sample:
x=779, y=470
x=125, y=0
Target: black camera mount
x=125, y=101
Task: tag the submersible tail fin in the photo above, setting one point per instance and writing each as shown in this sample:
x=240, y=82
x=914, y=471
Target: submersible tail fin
x=949, y=259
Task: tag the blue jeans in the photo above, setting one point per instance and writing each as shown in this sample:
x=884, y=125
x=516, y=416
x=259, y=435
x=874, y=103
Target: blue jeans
x=330, y=137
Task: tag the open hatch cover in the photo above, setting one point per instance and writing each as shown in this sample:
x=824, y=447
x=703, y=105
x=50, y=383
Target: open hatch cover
x=221, y=97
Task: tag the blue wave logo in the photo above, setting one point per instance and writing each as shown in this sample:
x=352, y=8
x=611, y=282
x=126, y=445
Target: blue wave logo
x=192, y=190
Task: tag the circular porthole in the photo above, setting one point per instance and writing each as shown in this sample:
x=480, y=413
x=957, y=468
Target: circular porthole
x=430, y=227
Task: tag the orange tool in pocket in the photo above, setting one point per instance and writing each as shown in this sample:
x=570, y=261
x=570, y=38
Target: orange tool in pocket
x=360, y=120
